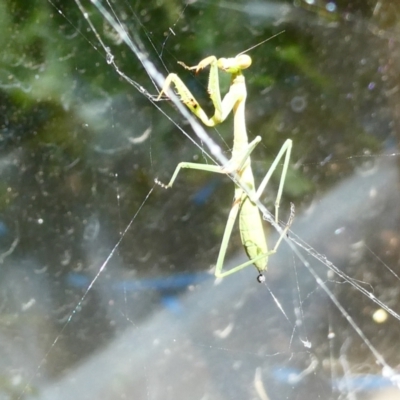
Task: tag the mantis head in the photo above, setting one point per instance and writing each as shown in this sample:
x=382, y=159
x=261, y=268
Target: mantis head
x=234, y=65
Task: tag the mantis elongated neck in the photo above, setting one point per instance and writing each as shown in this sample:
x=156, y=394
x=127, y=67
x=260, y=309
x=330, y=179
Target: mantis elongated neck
x=240, y=140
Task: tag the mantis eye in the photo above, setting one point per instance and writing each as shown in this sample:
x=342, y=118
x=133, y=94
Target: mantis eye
x=243, y=61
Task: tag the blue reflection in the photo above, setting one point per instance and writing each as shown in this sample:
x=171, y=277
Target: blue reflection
x=3, y=228
x=166, y=286
x=349, y=383
x=362, y=383
x=172, y=282
x=201, y=196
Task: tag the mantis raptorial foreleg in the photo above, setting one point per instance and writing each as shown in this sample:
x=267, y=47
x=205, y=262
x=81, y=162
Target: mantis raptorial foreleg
x=250, y=221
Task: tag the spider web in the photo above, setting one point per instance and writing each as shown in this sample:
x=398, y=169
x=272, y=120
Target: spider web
x=132, y=308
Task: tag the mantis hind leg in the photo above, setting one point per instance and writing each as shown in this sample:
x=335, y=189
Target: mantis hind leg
x=285, y=150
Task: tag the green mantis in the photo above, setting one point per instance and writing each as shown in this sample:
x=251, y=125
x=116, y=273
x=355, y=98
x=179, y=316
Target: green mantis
x=250, y=221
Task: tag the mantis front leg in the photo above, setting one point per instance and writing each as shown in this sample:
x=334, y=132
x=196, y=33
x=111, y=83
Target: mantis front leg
x=189, y=100
x=222, y=108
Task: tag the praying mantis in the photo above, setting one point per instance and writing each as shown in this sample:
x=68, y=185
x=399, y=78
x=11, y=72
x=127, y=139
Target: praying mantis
x=250, y=221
